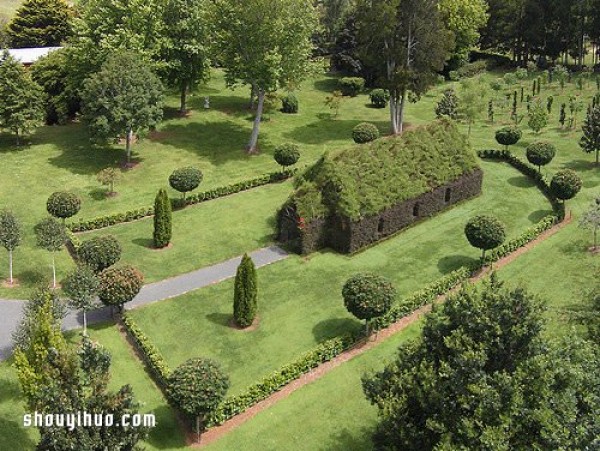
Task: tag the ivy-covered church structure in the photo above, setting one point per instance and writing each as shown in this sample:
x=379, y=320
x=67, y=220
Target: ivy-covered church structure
x=352, y=198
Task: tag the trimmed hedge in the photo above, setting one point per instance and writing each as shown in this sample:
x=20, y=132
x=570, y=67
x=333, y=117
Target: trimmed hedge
x=139, y=213
x=152, y=356
x=351, y=86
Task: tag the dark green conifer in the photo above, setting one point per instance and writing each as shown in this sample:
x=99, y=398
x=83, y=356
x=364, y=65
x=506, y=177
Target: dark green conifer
x=162, y=220
x=245, y=294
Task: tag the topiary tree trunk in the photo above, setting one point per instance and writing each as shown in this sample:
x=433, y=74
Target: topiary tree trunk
x=162, y=220
x=245, y=294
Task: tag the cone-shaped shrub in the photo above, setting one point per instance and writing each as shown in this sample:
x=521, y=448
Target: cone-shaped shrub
x=245, y=293
x=162, y=220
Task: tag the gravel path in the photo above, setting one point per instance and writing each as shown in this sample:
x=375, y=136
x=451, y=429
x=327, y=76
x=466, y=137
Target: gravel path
x=11, y=310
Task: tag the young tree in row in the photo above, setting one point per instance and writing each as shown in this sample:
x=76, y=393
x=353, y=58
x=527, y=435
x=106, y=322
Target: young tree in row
x=485, y=232
x=472, y=103
x=265, y=44
x=448, y=105
x=406, y=42
x=123, y=99
x=186, y=44
x=21, y=99
x=40, y=23
x=198, y=386
x=81, y=287
x=480, y=362
x=538, y=117
x=590, y=141
x=245, y=294
x=590, y=220
x=10, y=237
x=119, y=285
x=368, y=296
x=163, y=227
x=51, y=235
x=108, y=177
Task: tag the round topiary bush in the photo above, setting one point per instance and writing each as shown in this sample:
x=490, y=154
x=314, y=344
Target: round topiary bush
x=507, y=136
x=185, y=179
x=368, y=296
x=198, y=386
x=289, y=103
x=485, y=232
x=100, y=252
x=287, y=154
x=540, y=153
x=565, y=184
x=119, y=285
x=351, y=86
x=63, y=204
x=364, y=133
x=379, y=98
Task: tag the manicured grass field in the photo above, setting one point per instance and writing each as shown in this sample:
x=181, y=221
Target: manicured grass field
x=299, y=299
x=203, y=234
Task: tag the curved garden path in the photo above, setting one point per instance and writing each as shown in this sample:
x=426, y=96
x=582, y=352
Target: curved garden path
x=11, y=311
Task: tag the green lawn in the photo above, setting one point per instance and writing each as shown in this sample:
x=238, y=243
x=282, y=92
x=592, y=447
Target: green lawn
x=300, y=302
x=203, y=234
x=328, y=414
x=8, y=8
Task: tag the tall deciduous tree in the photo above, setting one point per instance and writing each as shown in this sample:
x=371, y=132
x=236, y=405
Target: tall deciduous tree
x=21, y=99
x=10, y=237
x=482, y=362
x=186, y=47
x=407, y=42
x=40, y=23
x=123, y=99
x=265, y=44
x=51, y=236
x=590, y=141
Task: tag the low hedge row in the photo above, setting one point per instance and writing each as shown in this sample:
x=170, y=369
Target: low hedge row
x=529, y=171
x=154, y=359
x=132, y=215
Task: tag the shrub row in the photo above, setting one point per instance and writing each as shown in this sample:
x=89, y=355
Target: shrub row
x=529, y=171
x=154, y=359
x=132, y=215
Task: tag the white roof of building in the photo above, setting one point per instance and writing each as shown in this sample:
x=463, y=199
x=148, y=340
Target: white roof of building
x=30, y=56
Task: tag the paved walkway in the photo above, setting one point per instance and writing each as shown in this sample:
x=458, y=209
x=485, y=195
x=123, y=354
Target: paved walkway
x=11, y=310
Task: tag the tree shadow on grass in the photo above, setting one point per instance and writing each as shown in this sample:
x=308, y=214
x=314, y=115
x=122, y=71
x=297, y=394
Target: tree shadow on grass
x=167, y=433
x=219, y=142
x=220, y=319
x=581, y=165
x=334, y=327
x=521, y=181
x=146, y=243
x=350, y=440
x=538, y=215
x=329, y=130
x=451, y=263
x=13, y=435
x=328, y=84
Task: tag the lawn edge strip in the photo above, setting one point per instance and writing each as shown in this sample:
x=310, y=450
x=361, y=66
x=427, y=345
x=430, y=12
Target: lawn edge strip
x=102, y=222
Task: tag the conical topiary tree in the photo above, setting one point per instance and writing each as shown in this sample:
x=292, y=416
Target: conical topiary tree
x=162, y=220
x=245, y=294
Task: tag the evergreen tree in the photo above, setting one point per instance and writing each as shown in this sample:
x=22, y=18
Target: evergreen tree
x=538, y=117
x=245, y=296
x=590, y=141
x=162, y=219
x=563, y=115
x=448, y=105
x=21, y=99
x=40, y=23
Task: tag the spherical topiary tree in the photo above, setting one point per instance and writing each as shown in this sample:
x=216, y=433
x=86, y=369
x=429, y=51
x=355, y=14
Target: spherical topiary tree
x=540, y=153
x=63, y=204
x=289, y=103
x=198, y=386
x=364, y=133
x=368, y=296
x=287, y=154
x=485, y=232
x=100, y=252
x=379, y=98
x=119, y=285
x=565, y=184
x=185, y=179
x=245, y=295
x=507, y=136
x=162, y=220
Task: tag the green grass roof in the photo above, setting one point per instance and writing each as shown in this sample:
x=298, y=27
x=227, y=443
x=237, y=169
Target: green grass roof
x=366, y=179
